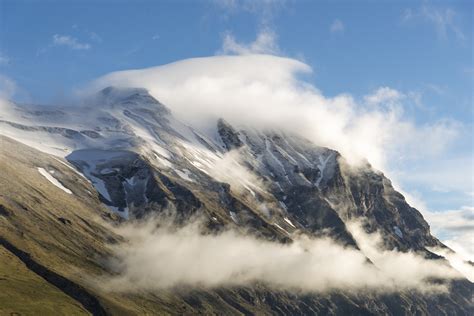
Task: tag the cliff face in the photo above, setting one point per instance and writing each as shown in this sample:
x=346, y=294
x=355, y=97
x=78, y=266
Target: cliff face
x=141, y=161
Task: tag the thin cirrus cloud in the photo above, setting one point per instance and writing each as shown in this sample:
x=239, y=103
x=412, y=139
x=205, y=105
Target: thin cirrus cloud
x=384, y=95
x=442, y=19
x=457, y=229
x=70, y=42
x=337, y=26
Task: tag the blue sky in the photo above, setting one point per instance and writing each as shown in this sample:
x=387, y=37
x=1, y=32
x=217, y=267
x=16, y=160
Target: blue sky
x=379, y=43
x=423, y=49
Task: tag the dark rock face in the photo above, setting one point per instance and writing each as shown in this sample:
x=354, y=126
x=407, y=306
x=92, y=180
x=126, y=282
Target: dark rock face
x=228, y=135
x=374, y=199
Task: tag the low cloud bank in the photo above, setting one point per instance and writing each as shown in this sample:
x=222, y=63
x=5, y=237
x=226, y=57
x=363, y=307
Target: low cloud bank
x=169, y=257
x=456, y=260
x=457, y=229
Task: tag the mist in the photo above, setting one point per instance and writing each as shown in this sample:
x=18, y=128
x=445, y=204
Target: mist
x=163, y=256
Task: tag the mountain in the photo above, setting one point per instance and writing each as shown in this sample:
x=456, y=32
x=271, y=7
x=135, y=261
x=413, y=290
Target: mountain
x=69, y=175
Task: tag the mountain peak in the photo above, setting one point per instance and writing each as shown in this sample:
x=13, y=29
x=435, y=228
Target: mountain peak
x=121, y=95
x=122, y=92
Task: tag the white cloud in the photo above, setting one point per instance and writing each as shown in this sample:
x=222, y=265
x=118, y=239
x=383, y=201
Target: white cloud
x=383, y=95
x=69, y=41
x=457, y=259
x=457, y=229
x=442, y=19
x=444, y=174
x=230, y=169
x=267, y=91
x=166, y=257
x=453, y=221
x=337, y=26
x=265, y=43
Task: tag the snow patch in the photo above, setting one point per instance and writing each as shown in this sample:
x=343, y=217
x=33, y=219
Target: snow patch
x=397, y=231
x=234, y=217
x=272, y=157
x=108, y=171
x=321, y=166
x=163, y=161
x=185, y=174
x=289, y=222
x=53, y=180
x=72, y=168
x=281, y=228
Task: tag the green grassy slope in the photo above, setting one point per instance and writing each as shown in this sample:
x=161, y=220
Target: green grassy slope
x=26, y=293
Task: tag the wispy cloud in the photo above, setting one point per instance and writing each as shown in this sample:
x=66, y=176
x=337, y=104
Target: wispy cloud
x=452, y=174
x=442, y=19
x=437, y=89
x=454, y=221
x=70, y=42
x=93, y=36
x=456, y=228
x=383, y=95
x=265, y=43
x=337, y=26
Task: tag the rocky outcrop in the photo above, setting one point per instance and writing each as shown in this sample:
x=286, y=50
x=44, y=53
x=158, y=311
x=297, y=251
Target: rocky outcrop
x=228, y=135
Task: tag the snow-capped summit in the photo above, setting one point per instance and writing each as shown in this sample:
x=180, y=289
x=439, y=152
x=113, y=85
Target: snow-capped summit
x=280, y=176
x=126, y=97
x=123, y=151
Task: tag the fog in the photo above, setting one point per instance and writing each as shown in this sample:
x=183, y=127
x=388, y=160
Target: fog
x=165, y=257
